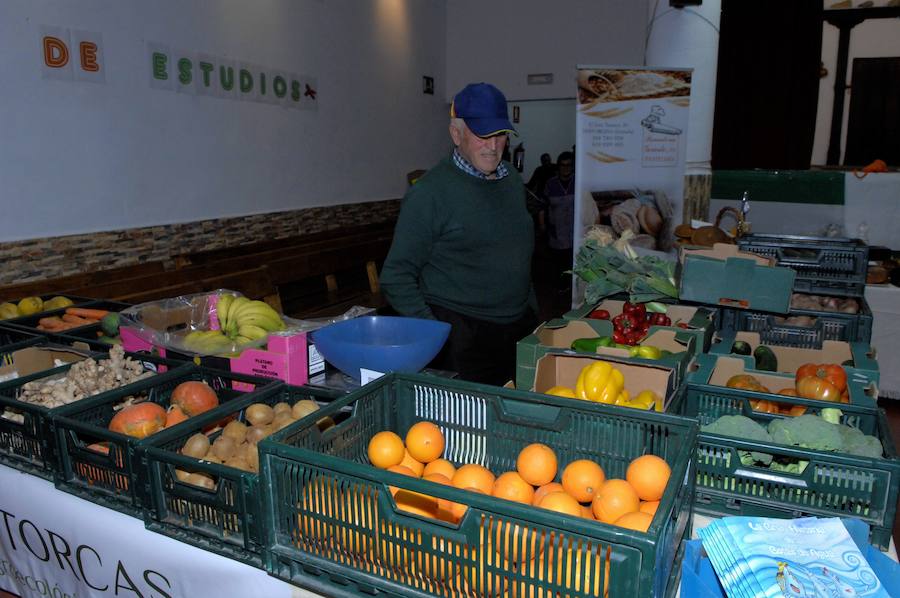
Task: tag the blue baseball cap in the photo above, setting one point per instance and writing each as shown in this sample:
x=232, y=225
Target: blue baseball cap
x=483, y=107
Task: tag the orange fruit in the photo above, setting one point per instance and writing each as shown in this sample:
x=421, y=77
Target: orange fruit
x=511, y=486
x=417, y=467
x=385, y=449
x=416, y=503
x=357, y=508
x=561, y=503
x=637, y=521
x=459, y=509
x=515, y=542
x=444, y=505
x=545, y=490
x=649, y=506
x=582, y=478
x=441, y=466
x=614, y=498
x=648, y=475
x=401, y=470
x=587, y=512
x=537, y=464
x=425, y=442
x=472, y=475
x=480, y=580
x=582, y=572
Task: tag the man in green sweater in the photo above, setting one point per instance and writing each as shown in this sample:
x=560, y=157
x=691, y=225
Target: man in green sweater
x=463, y=244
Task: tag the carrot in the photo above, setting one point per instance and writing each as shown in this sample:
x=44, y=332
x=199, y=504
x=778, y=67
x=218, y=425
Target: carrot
x=73, y=319
x=51, y=322
x=85, y=312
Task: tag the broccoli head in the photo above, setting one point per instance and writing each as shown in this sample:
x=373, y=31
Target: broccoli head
x=741, y=426
x=857, y=443
x=807, y=431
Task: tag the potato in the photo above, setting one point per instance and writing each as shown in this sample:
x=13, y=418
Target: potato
x=202, y=480
x=282, y=420
x=224, y=447
x=236, y=430
x=238, y=463
x=259, y=414
x=280, y=407
x=257, y=433
x=252, y=457
x=182, y=475
x=303, y=408
x=197, y=446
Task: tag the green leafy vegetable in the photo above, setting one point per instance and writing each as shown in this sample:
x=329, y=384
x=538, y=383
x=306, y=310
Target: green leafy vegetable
x=616, y=268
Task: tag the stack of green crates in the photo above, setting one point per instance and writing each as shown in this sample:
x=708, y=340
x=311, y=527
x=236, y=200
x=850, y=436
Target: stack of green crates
x=335, y=529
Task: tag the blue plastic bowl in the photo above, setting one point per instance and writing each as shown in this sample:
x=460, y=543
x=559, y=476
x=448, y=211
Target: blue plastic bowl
x=381, y=343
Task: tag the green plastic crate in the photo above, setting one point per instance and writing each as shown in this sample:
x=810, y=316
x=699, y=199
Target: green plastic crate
x=28, y=445
x=734, y=281
x=832, y=266
x=334, y=528
x=864, y=368
x=14, y=336
x=862, y=393
x=118, y=479
x=226, y=520
x=829, y=325
x=832, y=485
x=556, y=336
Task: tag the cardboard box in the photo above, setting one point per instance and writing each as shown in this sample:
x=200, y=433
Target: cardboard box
x=557, y=336
x=562, y=370
x=865, y=368
x=34, y=360
x=724, y=275
x=696, y=318
x=711, y=371
x=285, y=356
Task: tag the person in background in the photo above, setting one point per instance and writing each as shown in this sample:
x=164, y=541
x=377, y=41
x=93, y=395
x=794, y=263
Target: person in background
x=541, y=175
x=463, y=245
x=558, y=207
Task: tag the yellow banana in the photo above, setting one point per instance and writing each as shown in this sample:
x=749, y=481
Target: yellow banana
x=252, y=332
x=262, y=320
x=236, y=304
x=222, y=309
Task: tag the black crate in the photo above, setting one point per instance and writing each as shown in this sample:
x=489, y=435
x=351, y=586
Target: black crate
x=829, y=266
x=30, y=323
x=829, y=326
x=118, y=479
x=30, y=445
x=228, y=519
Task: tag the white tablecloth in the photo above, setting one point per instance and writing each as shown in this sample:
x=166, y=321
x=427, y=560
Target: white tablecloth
x=884, y=301
x=51, y=539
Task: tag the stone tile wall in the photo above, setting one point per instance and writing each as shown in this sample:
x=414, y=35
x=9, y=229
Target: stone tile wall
x=51, y=257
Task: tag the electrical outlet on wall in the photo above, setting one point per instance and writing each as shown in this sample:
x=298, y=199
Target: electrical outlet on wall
x=428, y=85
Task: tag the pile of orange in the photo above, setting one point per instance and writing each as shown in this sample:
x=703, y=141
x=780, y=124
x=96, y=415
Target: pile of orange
x=583, y=489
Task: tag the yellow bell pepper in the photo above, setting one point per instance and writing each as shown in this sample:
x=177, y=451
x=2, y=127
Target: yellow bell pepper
x=599, y=382
x=644, y=400
x=645, y=351
x=561, y=391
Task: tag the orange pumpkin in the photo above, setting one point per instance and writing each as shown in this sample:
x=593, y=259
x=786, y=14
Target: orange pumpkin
x=139, y=420
x=194, y=397
x=175, y=415
x=746, y=382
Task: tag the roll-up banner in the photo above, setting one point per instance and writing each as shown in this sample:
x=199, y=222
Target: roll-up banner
x=631, y=133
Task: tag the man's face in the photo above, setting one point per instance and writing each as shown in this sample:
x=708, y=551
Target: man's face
x=566, y=169
x=484, y=153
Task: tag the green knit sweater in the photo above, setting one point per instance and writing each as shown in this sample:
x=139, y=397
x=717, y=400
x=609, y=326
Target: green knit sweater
x=463, y=243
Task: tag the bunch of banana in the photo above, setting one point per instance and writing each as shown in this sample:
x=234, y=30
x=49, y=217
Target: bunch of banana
x=208, y=342
x=244, y=320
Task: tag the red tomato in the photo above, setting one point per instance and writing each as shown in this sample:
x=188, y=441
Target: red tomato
x=830, y=372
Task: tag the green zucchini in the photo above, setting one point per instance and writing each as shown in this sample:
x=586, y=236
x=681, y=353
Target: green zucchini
x=741, y=348
x=765, y=359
